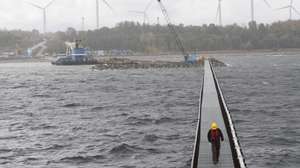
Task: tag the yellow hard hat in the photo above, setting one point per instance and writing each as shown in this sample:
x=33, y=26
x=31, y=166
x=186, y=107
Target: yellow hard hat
x=214, y=125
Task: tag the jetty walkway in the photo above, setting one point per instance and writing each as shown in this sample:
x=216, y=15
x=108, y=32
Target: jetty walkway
x=212, y=107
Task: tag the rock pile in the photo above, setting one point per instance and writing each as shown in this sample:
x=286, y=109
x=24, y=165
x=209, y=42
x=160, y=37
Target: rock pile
x=124, y=63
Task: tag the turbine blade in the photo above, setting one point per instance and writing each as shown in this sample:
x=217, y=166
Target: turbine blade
x=294, y=9
x=267, y=3
x=50, y=3
x=283, y=7
x=34, y=5
x=133, y=11
x=108, y=5
x=148, y=5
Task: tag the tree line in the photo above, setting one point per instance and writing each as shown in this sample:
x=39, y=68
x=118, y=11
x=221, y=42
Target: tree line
x=157, y=38
x=18, y=39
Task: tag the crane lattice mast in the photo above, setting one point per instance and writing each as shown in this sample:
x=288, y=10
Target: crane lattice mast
x=172, y=29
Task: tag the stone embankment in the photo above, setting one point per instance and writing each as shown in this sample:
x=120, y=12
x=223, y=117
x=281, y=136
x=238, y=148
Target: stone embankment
x=124, y=63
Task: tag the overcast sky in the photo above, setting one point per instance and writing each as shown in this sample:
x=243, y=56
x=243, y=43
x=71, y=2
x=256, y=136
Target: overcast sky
x=17, y=14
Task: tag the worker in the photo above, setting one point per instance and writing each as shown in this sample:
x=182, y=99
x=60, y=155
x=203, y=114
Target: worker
x=215, y=136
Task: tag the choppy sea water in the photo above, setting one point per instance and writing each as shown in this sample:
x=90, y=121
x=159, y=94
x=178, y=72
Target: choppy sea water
x=75, y=117
x=263, y=94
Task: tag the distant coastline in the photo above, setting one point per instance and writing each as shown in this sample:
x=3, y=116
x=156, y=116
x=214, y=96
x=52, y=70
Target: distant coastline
x=22, y=60
x=161, y=56
x=252, y=51
x=238, y=51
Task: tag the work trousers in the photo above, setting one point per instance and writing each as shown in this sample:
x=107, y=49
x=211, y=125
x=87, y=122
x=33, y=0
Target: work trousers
x=215, y=147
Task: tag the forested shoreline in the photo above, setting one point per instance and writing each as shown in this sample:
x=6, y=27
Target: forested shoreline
x=157, y=38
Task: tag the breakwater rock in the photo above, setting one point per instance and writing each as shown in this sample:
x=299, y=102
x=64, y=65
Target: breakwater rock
x=216, y=63
x=124, y=63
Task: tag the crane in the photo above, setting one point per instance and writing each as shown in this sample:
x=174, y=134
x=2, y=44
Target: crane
x=187, y=58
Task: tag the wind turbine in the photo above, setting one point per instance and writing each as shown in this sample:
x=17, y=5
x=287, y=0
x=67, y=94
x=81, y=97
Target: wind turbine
x=144, y=12
x=98, y=13
x=44, y=13
x=148, y=5
x=219, y=12
x=291, y=9
x=252, y=8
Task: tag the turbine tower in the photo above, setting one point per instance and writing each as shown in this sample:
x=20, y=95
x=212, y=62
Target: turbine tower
x=252, y=8
x=82, y=23
x=44, y=13
x=219, y=12
x=98, y=13
x=291, y=9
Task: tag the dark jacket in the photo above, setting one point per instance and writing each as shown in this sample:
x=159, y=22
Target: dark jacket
x=218, y=138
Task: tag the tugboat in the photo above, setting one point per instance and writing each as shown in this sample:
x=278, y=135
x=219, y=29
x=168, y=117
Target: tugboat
x=75, y=55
